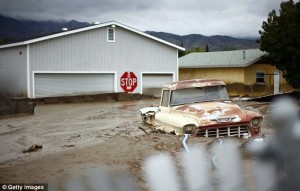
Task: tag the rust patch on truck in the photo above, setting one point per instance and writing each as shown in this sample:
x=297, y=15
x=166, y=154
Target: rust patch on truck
x=193, y=83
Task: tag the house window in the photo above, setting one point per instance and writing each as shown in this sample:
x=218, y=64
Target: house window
x=165, y=98
x=260, y=78
x=110, y=35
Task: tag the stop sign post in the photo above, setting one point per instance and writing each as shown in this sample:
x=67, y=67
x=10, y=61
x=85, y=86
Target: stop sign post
x=128, y=81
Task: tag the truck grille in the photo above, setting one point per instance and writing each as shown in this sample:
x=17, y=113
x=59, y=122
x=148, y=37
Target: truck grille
x=233, y=131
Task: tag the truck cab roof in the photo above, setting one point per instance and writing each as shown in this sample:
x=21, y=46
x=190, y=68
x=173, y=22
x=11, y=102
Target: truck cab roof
x=193, y=83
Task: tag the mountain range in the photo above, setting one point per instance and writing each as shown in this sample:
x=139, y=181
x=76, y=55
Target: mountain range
x=18, y=30
x=215, y=43
x=13, y=30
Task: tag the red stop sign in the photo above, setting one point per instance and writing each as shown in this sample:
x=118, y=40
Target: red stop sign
x=128, y=81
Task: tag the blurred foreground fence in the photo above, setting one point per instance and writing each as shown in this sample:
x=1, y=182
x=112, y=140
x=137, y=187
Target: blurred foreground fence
x=276, y=166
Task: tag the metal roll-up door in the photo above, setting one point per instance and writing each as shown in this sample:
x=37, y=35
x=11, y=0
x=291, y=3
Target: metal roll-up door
x=152, y=83
x=59, y=84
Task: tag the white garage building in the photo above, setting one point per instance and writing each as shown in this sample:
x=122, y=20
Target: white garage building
x=86, y=61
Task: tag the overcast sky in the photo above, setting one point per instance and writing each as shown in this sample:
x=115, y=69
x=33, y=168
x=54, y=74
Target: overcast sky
x=207, y=17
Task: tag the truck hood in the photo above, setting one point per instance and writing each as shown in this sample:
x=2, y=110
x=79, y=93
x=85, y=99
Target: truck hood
x=214, y=112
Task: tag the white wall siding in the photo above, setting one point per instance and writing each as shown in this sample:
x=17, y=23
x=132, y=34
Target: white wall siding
x=153, y=82
x=90, y=51
x=13, y=75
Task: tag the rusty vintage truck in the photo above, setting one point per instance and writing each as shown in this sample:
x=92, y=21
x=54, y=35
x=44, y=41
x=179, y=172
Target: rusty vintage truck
x=201, y=108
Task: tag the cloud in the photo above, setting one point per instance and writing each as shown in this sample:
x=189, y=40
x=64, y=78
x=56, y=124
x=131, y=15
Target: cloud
x=209, y=17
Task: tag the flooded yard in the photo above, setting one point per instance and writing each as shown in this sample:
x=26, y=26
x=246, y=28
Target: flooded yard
x=78, y=137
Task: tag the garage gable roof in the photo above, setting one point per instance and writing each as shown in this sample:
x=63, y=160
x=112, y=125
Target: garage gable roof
x=234, y=58
x=90, y=28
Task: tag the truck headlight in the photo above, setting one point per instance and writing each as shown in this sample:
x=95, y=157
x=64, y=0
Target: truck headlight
x=256, y=122
x=189, y=129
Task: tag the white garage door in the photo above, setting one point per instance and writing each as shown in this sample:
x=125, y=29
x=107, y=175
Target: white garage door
x=49, y=84
x=152, y=83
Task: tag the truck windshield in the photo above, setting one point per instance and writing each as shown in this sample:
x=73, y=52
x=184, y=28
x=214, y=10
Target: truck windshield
x=198, y=94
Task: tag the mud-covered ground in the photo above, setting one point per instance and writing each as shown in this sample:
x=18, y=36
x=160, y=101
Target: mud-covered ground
x=84, y=136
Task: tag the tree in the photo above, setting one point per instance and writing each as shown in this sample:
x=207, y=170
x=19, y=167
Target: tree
x=6, y=41
x=181, y=53
x=228, y=48
x=280, y=37
x=195, y=49
x=206, y=48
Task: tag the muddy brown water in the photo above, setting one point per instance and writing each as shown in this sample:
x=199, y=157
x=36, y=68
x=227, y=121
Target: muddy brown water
x=83, y=136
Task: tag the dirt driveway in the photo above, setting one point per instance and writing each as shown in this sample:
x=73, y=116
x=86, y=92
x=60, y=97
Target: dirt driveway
x=79, y=137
